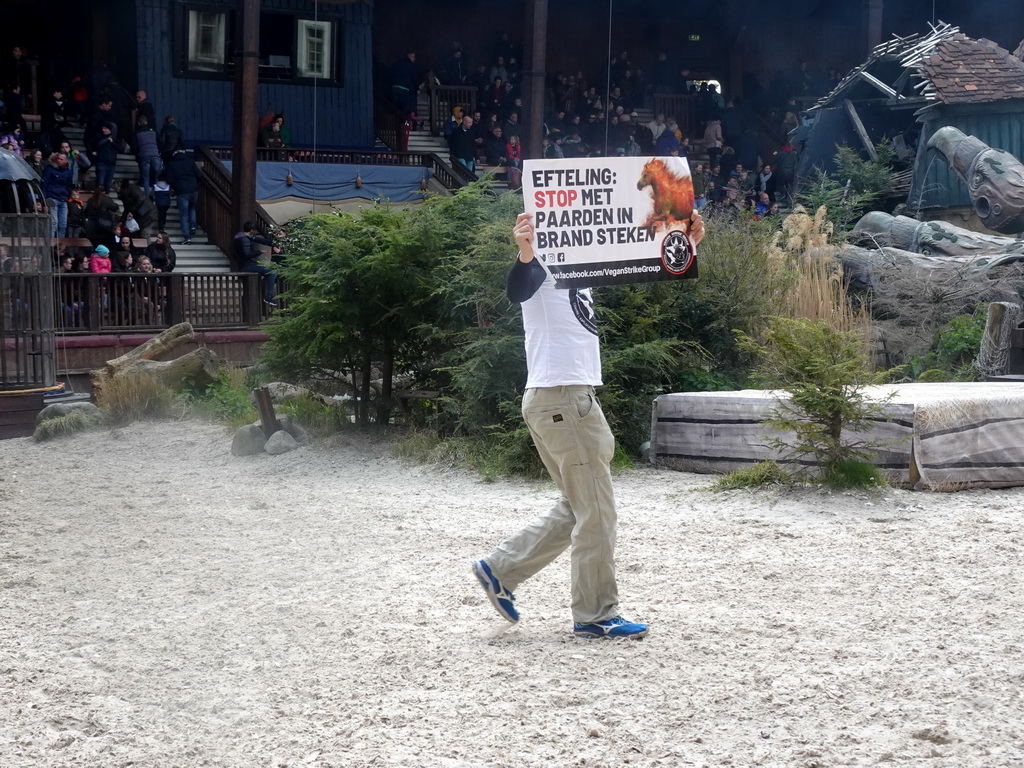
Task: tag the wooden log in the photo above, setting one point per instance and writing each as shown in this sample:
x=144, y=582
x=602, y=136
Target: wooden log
x=268, y=419
x=201, y=366
x=167, y=340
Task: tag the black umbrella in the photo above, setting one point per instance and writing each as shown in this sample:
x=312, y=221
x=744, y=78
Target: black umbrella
x=13, y=168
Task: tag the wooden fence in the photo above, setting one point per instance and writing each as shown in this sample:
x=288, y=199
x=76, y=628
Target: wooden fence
x=115, y=303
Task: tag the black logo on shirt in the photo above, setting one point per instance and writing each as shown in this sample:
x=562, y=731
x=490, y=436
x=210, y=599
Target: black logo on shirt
x=582, y=302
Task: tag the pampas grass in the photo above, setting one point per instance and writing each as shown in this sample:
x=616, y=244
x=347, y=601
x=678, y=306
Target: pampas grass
x=129, y=397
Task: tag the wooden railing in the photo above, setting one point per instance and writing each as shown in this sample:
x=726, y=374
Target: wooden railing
x=91, y=304
x=215, y=212
x=389, y=124
x=443, y=99
x=681, y=107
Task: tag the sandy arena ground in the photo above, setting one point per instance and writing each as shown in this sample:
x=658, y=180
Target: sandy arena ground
x=165, y=604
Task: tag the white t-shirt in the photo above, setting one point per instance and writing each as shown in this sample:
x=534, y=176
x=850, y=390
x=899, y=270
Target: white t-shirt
x=562, y=346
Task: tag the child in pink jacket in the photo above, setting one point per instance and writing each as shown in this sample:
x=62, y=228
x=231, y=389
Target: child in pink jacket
x=100, y=260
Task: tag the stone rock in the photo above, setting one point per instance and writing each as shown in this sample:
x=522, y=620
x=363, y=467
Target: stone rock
x=63, y=409
x=248, y=441
x=280, y=442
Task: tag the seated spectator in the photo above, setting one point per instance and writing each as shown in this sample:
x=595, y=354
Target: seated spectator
x=573, y=144
x=668, y=141
x=160, y=254
x=498, y=71
x=147, y=295
x=99, y=260
x=82, y=265
x=494, y=148
x=13, y=139
x=514, y=151
x=766, y=181
x=552, y=150
x=122, y=258
x=762, y=206
x=512, y=126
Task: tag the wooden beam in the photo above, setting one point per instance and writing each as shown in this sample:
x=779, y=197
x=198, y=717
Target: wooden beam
x=872, y=80
x=536, y=63
x=859, y=127
x=246, y=117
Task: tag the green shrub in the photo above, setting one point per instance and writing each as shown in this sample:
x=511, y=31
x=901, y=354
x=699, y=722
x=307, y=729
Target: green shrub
x=760, y=474
x=824, y=372
x=319, y=418
x=850, y=473
x=958, y=343
x=226, y=399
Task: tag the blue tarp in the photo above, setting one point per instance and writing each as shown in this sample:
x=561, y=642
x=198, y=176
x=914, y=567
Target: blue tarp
x=318, y=181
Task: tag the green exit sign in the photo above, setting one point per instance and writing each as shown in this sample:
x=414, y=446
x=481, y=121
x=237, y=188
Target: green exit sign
x=694, y=38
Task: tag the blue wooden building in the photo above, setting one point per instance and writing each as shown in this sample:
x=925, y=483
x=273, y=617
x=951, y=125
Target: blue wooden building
x=315, y=60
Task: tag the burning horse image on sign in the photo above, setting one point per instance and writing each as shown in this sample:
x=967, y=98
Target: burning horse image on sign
x=673, y=196
x=673, y=206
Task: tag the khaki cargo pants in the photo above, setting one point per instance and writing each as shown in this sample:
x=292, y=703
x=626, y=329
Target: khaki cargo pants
x=576, y=445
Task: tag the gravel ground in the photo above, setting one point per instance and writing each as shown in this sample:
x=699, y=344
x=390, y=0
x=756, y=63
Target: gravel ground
x=163, y=603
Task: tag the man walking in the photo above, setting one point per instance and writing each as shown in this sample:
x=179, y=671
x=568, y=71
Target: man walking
x=182, y=176
x=576, y=445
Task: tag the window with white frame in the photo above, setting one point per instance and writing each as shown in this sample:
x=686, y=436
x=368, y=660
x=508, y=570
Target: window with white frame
x=206, y=40
x=314, y=48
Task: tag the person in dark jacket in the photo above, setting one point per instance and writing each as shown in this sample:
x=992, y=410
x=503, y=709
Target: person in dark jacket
x=147, y=154
x=171, y=139
x=137, y=204
x=248, y=256
x=405, y=83
x=463, y=143
x=105, y=155
x=57, y=177
x=161, y=254
x=182, y=176
x=144, y=109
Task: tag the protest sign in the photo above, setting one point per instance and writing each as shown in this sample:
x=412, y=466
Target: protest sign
x=606, y=221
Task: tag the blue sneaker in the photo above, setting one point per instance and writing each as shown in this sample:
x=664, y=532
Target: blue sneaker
x=613, y=627
x=504, y=602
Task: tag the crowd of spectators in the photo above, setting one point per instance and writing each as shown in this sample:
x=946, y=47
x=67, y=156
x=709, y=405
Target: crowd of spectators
x=111, y=122
x=741, y=140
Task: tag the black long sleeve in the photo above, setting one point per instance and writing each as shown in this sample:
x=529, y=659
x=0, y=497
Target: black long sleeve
x=523, y=280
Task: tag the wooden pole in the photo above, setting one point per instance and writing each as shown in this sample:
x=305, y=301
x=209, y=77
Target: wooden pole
x=246, y=119
x=874, y=23
x=536, y=61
